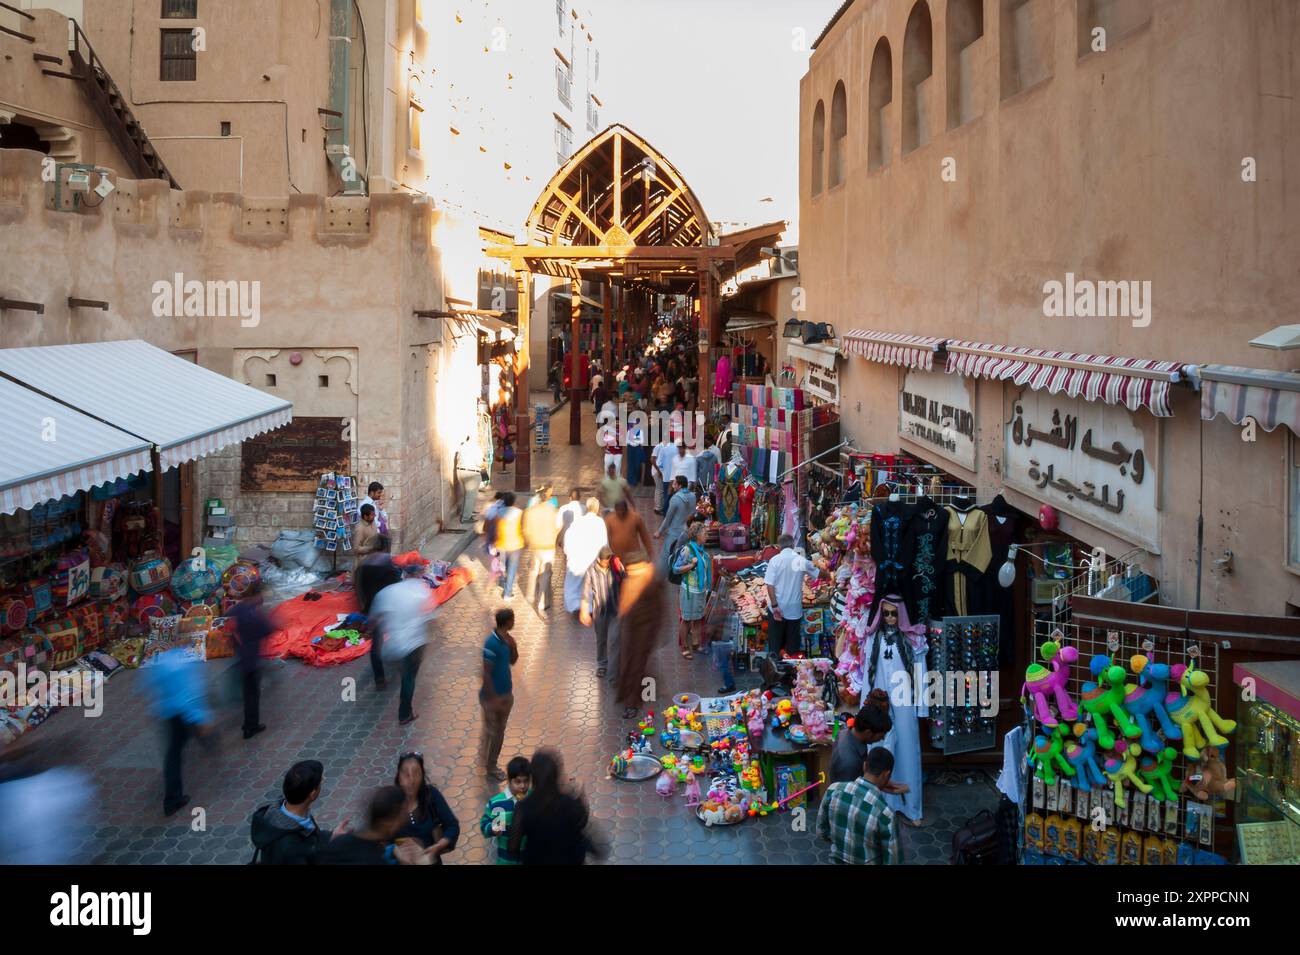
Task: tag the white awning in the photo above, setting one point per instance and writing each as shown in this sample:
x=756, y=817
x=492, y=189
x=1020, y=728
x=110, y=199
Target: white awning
x=185, y=410
x=48, y=450
x=823, y=356
x=1270, y=397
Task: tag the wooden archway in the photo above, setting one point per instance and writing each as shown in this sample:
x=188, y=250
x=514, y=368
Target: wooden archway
x=618, y=191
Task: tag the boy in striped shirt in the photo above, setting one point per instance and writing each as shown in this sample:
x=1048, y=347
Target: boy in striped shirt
x=499, y=812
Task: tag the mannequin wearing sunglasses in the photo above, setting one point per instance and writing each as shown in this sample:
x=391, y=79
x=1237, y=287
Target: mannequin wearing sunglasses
x=894, y=661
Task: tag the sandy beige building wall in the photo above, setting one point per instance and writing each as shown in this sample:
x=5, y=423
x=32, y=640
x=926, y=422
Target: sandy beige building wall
x=339, y=282
x=264, y=69
x=1123, y=164
x=54, y=105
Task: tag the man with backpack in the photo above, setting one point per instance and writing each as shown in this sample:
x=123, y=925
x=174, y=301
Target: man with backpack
x=288, y=834
x=672, y=530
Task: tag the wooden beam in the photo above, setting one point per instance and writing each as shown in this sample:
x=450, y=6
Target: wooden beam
x=607, y=324
x=575, y=365
x=570, y=202
x=523, y=428
x=686, y=255
x=651, y=216
x=86, y=303
x=618, y=179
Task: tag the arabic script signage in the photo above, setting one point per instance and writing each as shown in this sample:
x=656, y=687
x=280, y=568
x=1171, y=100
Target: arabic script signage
x=935, y=410
x=1089, y=459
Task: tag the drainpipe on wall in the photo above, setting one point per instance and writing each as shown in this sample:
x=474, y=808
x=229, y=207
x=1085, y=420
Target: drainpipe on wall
x=337, y=149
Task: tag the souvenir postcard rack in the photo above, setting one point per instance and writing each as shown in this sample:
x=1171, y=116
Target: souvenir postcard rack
x=337, y=510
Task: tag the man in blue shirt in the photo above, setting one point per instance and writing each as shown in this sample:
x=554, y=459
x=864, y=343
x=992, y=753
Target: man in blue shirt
x=497, y=697
x=174, y=679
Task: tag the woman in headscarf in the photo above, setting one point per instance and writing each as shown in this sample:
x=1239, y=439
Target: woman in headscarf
x=893, y=660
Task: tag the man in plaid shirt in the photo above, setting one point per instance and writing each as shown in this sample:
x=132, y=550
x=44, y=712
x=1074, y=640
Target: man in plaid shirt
x=855, y=819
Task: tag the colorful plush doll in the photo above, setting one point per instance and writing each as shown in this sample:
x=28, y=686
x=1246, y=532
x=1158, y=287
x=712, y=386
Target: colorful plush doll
x=1083, y=757
x=1101, y=701
x=1123, y=767
x=1194, y=713
x=1148, y=699
x=1046, y=757
x=692, y=790
x=1157, y=770
x=1043, y=683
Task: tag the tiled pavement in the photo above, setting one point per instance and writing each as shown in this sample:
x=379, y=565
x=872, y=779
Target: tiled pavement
x=559, y=703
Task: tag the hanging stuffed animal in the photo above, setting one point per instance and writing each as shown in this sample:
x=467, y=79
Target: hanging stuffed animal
x=1104, y=698
x=1210, y=780
x=1042, y=684
x=1157, y=770
x=1123, y=767
x=1046, y=757
x=1082, y=755
x=1194, y=713
x=1147, y=699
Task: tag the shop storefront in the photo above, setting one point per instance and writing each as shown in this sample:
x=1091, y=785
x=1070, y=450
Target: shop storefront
x=86, y=584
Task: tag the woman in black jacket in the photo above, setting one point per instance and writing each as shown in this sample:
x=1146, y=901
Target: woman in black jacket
x=551, y=825
x=428, y=818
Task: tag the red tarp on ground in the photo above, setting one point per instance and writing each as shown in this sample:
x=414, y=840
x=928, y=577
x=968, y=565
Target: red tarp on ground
x=301, y=621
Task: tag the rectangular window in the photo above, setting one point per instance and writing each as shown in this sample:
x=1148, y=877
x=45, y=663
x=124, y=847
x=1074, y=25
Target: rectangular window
x=559, y=14
x=593, y=115
x=180, y=9
x=563, y=140
x=564, y=82
x=178, y=61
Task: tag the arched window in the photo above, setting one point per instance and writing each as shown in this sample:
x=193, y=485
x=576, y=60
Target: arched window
x=965, y=30
x=839, y=133
x=880, y=96
x=918, y=66
x=818, y=146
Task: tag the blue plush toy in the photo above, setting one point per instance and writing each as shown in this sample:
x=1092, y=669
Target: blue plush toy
x=1083, y=757
x=1147, y=699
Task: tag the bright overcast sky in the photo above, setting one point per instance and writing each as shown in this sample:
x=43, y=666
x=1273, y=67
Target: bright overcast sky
x=714, y=85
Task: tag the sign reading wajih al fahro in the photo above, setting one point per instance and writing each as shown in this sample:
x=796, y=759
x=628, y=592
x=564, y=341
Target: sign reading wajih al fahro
x=935, y=411
x=1089, y=459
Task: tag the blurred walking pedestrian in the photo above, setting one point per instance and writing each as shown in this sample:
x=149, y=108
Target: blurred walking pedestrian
x=375, y=573
x=510, y=542
x=430, y=820
x=541, y=528
x=497, y=697
x=551, y=825
x=252, y=626
x=179, y=697
x=614, y=488
x=470, y=474
x=582, y=542
x=43, y=807
x=372, y=845
x=402, y=612
x=600, y=607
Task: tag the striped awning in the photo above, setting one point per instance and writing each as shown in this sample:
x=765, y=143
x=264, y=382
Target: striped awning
x=1269, y=397
x=184, y=409
x=48, y=450
x=892, y=348
x=1132, y=382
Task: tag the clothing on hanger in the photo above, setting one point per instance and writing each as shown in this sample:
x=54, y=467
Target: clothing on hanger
x=929, y=546
x=969, y=554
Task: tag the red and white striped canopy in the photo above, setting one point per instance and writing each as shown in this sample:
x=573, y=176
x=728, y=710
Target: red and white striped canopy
x=892, y=348
x=1132, y=382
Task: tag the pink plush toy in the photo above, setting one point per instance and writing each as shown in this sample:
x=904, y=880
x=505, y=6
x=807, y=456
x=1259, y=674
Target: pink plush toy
x=1043, y=684
x=692, y=790
x=666, y=785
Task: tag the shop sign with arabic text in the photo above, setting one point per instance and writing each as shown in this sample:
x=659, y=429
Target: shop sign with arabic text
x=1089, y=459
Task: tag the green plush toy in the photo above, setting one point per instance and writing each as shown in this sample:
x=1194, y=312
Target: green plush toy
x=1105, y=697
x=1121, y=768
x=1046, y=757
x=1158, y=771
